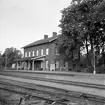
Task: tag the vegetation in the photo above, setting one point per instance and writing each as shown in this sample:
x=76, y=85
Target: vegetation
x=9, y=56
x=83, y=29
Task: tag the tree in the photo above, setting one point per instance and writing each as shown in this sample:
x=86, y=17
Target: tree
x=1, y=60
x=9, y=56
x=83, y=21
x=94, y=23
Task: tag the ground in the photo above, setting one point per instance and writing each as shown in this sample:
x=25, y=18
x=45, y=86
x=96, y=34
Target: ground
x=8, y=98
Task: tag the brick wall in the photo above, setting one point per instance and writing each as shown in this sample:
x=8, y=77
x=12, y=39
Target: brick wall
x=52, y=58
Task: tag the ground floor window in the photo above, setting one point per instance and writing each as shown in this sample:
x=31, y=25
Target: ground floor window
x=46, y=64
x=65, y=64
x=57, y=64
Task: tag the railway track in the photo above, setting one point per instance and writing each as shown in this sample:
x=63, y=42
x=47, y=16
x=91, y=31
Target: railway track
x=20, y=75
x=51, y=91
x=61, y=97
x=27, y=93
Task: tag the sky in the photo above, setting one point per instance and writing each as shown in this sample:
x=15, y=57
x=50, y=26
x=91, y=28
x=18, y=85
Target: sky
x=25, y=21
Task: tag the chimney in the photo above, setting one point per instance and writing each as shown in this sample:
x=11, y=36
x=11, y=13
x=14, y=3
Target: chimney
x=45, y=36
x=54, y=34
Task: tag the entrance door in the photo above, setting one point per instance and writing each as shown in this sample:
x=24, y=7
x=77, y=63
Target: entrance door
x=37, y=65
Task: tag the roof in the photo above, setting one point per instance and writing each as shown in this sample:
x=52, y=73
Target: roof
x=38, y=57
x=42, y=41
x=23, y=59
x=31, y=58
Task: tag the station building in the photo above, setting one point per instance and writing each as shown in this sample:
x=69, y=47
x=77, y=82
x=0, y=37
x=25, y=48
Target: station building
x=42, y=55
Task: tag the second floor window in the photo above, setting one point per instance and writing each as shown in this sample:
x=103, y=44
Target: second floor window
x=29, y=54
x=47, y=51
x=33, y=54
x=42, y=52
x=37, y=53
x=25, y=54
x=56, y=51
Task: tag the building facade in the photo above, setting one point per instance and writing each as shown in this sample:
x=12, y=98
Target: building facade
x=42, y=55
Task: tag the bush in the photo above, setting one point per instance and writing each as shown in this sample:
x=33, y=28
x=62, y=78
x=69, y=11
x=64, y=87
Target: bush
x=88, y=69
x=70, y=69
x=100, y=69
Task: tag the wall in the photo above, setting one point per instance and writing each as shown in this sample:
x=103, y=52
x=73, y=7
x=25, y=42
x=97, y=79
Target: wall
x=51, y=58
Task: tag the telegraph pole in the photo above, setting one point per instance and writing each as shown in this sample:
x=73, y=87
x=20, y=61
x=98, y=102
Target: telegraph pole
x=94, y=72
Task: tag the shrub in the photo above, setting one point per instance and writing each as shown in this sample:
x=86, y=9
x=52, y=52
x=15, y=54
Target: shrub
x=100, y=69
x=88, y=69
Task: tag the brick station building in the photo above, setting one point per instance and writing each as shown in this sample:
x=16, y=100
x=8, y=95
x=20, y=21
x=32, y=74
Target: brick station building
x=42, y=55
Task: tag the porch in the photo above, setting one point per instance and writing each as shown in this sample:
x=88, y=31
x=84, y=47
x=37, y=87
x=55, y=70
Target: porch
x=36, y=63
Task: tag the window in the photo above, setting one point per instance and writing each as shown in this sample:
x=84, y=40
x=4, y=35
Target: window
x=47, y=51
x=29, y=54
x=56, y=64
x=33, y=54
x=25, y=54
x=46, y=64
x=42, y=52
x=37, y=53
x=65, y=64
x=56, y=51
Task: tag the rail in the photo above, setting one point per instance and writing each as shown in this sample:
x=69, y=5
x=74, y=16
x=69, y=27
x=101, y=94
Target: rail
x=68, y=82
x=58, y=96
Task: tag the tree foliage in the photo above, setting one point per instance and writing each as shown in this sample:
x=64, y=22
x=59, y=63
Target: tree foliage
x=82, y=24
x=9, y=56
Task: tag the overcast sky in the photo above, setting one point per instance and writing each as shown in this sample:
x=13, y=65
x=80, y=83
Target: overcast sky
x=25, y=21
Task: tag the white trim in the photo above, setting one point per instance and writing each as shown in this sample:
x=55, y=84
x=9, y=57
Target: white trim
x=38, y=57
